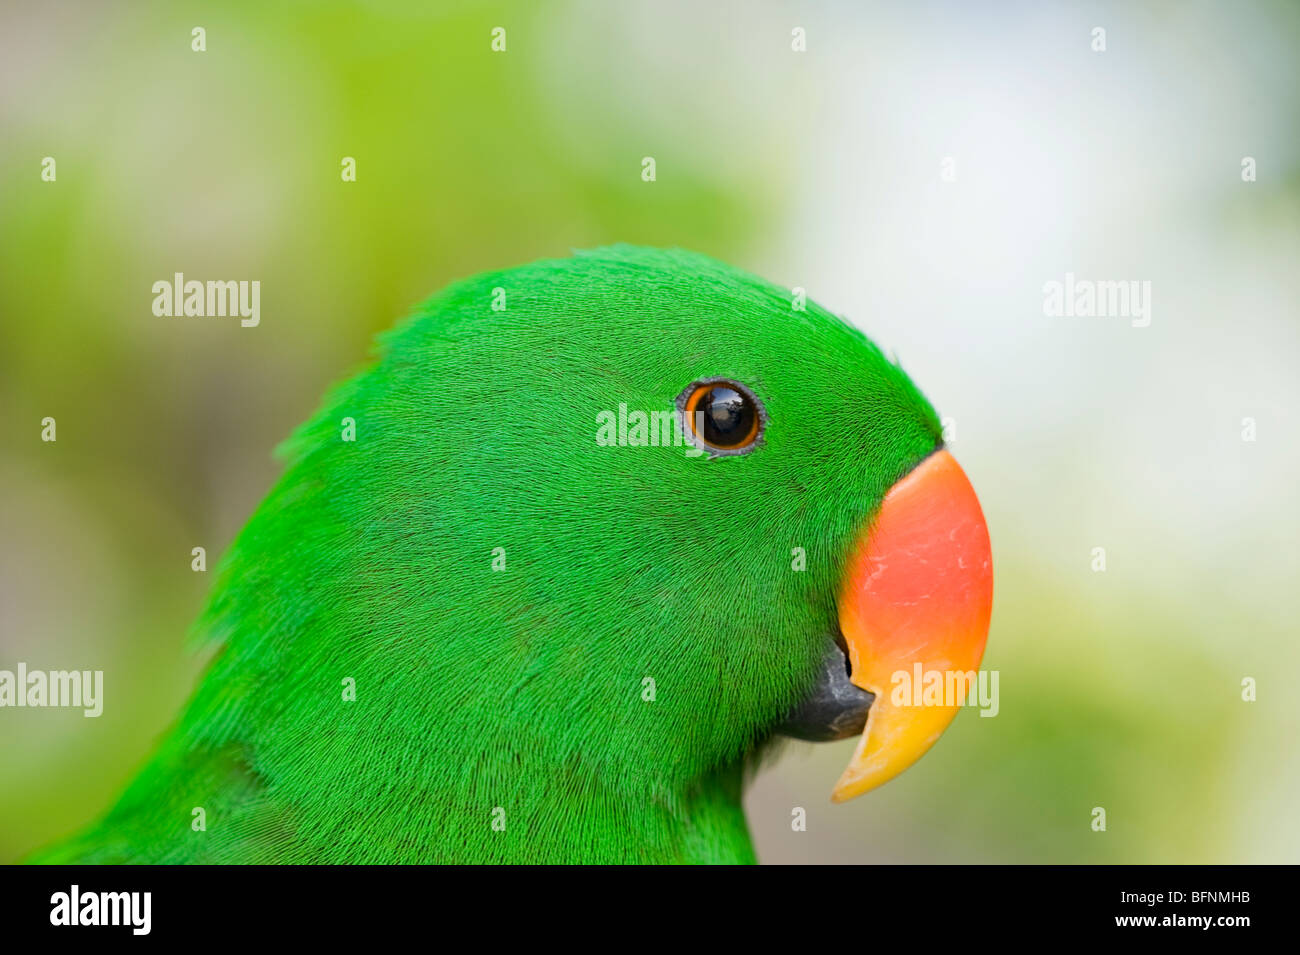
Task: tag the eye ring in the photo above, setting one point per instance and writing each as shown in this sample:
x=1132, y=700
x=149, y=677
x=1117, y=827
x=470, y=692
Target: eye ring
x=721, y=416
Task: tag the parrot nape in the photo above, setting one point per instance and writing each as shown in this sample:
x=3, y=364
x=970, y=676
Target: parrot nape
x=478, y=621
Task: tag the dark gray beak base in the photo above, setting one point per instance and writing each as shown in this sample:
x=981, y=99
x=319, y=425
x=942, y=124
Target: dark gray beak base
x=834, y=708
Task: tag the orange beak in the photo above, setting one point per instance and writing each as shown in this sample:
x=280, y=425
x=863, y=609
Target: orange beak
x=915, y=602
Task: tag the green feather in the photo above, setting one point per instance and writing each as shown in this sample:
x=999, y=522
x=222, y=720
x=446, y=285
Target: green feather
x=501, y=715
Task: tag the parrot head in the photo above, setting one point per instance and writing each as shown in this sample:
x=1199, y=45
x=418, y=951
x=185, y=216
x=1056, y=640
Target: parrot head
x=810, y=541
x=585, y=537
x=638, y=506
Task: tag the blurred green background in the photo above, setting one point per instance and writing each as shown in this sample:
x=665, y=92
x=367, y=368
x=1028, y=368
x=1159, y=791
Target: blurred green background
x=819, y=169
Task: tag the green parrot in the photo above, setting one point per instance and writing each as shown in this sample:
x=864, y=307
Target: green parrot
x=545, y=581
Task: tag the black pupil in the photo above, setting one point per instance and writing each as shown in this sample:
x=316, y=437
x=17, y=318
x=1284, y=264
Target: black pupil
x=728, y=416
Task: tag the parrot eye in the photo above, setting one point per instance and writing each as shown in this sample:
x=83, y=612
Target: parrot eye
x=722, y=415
